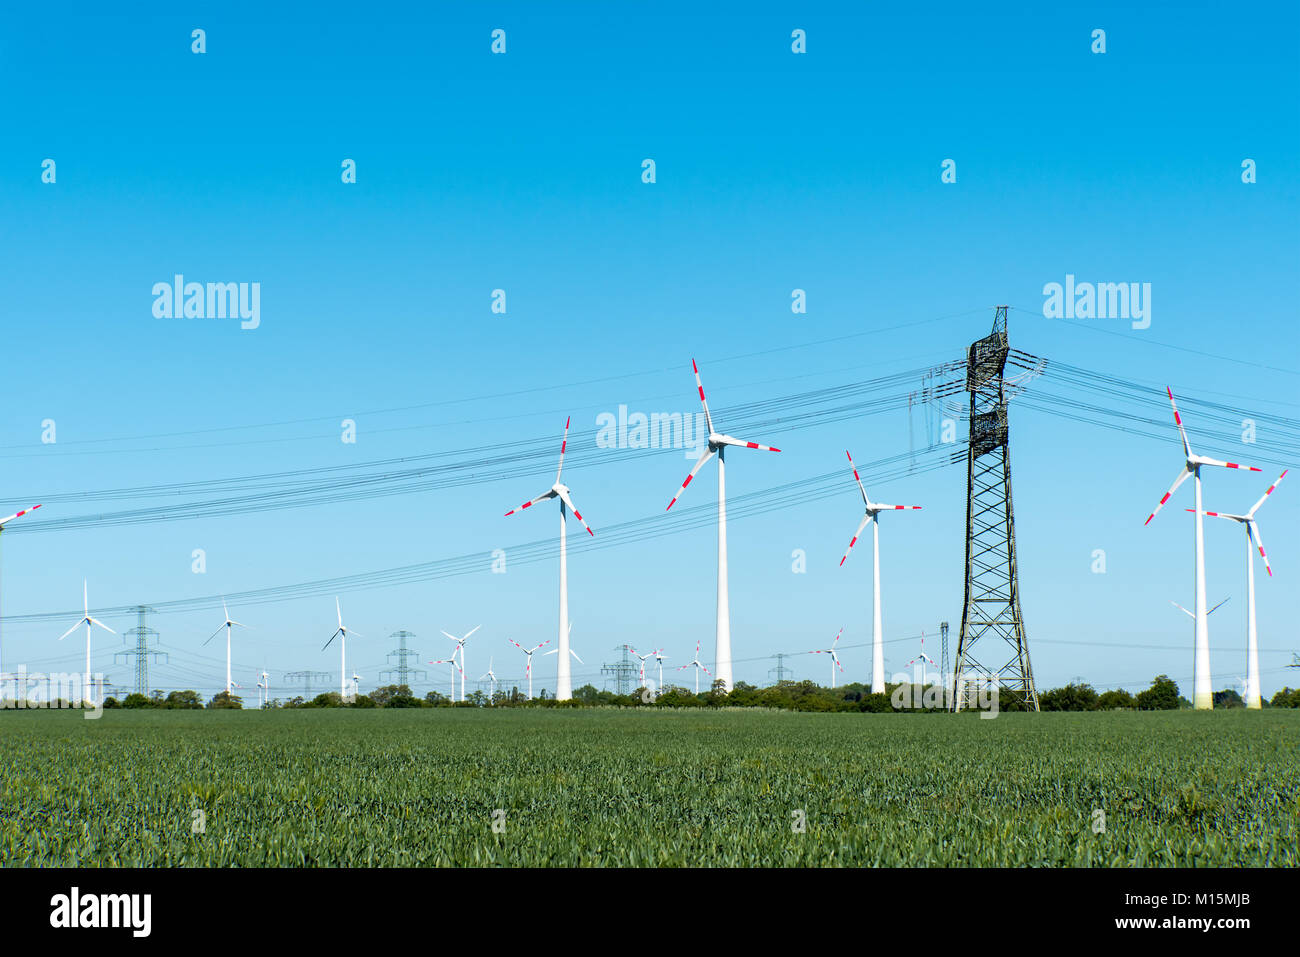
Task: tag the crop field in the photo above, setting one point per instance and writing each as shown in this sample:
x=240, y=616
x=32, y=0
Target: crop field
x=522, y=787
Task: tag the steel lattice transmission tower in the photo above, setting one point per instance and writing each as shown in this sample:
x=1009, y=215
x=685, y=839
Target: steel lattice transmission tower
x=403, y=671
x=991, y=647
x=623, y=671
x=142, y=633
x=306, y=677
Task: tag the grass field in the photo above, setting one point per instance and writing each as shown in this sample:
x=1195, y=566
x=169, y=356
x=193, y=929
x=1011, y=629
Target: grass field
x=420, y=787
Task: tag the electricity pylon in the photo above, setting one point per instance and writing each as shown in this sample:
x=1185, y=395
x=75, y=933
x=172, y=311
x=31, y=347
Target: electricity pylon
x=991, y=648
x=403, y=671
x=141, y=651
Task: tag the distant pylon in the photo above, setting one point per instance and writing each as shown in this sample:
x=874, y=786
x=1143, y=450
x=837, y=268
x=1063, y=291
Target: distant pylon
x=403, y=671
x=780, y=669
x=991, y=649
x=141, y=651
x=943, y=655
x=306, y=678
x=623, y=671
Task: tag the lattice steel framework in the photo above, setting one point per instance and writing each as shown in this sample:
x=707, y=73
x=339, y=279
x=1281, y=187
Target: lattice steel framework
x=141, y=652
x=991, y=647
x=403, y=671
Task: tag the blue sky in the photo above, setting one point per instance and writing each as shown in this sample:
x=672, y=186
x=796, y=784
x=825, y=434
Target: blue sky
x=522, y=172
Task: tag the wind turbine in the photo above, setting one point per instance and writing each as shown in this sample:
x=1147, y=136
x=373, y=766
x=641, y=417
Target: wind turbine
x=3, y=523
x=564, y=679
x=659, y=657
x=873, y=510
x=529, y=670
x=460, y=646
x=717, y=446
x=1191, y=615
x=571, y=651
x=263, y=689
x=922, y=656
x=87, y=621
x=833, y=652
x=697, y=665
x=492, y=678
x=454, y=668
x=1203, y=696
x=229, y=621
x=1253, y=541
x=342, y=634
x=643, y=661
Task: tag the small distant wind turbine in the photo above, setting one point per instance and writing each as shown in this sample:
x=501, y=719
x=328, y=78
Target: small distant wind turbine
x=922, y=656
x=263, y=689
x=659, y=657
x=873, y=510
x=3, y=523
x=834, y=653
x=229, y=621
x=1203, y=695
x=342, y=634
x=564, y=678
x=1253, y=541
x=698, y=666
x=87, y=621
x=492, y=679
x=529, y=669
x=571, y=651
x=717, y=446
x=460, y=646
x=643, y=659
x=454, y=668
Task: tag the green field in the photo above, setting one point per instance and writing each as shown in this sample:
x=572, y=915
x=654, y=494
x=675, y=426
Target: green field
x=594, y=787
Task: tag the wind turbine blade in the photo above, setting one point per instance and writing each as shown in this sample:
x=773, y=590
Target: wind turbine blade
x=1185, y=611
x=1211, y=611
x=866, y=518
x=1253, y=531
x=708, y=419
x=564, y=497
x=449, y=635
x=96, y=621
x=72, y=629
x=865, y=501
x=708, y=454
x=5, y=521
x=895, y=508
x=470, y=632
x=338, y=608
x=354, y=634
x=838, y=635
x=213, y=635
x=1250, y=514
x=224, y=610
x=1178, y=420
x=1228, y=465
x=551, y=652
x=575, y=655
x=549, y=493
x=542, y=645
x=332, y=637
x=563, y=445
x=1183, y=476
x=85, y=597
x=742, y=444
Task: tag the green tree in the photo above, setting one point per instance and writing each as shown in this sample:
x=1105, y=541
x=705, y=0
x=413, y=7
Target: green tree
x=1112, y=700
x=381, y=696
x=1073, y=697
x=138, y=701
x=1161, y=696
x=224, y=699
x=1286, y=698
x=184, y=699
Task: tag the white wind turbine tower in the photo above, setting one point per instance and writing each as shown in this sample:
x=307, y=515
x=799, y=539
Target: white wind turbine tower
x=571, y=652
x=1253, y=542
x=229, y=622
x=659, y=656
x=342, y=633
x=564, y=679
x=87, y=621
x=717, y=446
x=529, y=669
x=834, y=653
x=1203, y=696
x=460, y=646
x=3, y=523
x=263, y=689
x=698, y=666
x=643, y=658
x=873, y=510
x=454, y=668
x=492, y=679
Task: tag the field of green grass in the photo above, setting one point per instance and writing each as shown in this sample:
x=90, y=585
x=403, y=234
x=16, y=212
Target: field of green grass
x=593, y=787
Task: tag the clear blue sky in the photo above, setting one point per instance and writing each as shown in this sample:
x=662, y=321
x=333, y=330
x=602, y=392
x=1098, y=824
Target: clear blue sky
x=522, y=172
